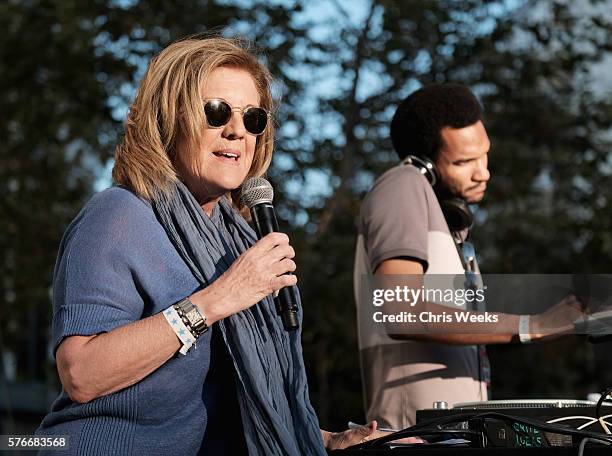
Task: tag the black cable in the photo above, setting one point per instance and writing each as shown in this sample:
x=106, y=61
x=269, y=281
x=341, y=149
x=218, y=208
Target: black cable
x=586, y=440
x=422, y=428
x=601, y=401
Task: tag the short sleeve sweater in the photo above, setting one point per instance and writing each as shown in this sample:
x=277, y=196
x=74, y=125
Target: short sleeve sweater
x=115, y=266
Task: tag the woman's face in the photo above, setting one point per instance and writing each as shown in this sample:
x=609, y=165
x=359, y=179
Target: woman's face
x=224, y=156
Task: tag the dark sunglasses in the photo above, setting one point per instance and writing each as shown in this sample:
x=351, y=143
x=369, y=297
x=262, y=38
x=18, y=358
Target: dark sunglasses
x=219, y=112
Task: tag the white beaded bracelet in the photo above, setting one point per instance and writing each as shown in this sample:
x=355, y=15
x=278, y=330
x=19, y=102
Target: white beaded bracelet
x=179, y=328
x=524, y=335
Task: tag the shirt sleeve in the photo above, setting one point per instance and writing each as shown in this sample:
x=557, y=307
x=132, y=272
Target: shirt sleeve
x=395, y=218
x=95, y=287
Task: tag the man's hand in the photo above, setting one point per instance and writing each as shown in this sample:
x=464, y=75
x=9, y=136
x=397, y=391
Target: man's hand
x=557, y=320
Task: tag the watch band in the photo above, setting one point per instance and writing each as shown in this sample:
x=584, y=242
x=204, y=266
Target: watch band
x=524, y=335
x=191, y=316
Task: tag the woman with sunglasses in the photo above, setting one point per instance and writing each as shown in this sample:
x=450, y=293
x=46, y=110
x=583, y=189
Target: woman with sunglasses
x=165, y=335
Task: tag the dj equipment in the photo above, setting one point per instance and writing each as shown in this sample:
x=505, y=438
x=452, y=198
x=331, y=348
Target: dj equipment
x=515, y=433
x=455, y=451
x=597, y=325
x=518, y=427
x=456, y=210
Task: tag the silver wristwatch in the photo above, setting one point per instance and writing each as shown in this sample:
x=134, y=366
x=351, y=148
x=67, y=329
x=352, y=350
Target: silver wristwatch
x=192, y=317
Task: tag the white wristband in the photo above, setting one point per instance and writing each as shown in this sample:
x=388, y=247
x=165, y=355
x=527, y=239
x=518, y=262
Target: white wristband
x=179, y=328
x=524, y=335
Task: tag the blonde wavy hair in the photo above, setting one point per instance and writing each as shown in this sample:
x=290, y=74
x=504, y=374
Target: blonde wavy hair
x=168, y=108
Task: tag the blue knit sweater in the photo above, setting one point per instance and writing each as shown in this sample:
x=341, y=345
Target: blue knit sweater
x=116, y=266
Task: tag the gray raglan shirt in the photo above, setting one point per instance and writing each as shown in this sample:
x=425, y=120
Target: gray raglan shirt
x=401, y=217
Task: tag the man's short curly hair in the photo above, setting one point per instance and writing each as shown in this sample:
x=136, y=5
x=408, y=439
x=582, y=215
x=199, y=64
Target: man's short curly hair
x=419, y=119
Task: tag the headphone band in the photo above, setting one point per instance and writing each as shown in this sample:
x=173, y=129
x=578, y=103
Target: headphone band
x=425, y=166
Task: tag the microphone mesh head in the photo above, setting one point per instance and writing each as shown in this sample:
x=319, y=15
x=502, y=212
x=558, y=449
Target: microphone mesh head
x=256, y=190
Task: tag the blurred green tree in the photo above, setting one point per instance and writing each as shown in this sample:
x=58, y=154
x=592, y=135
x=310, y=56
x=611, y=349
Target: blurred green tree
x=56, y=123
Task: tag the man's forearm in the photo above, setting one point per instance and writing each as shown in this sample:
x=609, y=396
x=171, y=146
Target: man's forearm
x=456, y=331
x=459, y=339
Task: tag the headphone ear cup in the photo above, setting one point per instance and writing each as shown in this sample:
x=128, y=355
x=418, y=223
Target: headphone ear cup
x=456, y=210
x=457, y=213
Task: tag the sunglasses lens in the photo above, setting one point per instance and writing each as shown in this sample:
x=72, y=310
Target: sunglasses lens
x=218, y=113
x=255, y=120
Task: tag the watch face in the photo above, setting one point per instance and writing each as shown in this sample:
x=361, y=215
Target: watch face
x=192, y=315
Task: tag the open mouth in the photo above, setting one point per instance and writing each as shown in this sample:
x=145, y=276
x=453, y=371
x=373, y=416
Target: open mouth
x=227, y=155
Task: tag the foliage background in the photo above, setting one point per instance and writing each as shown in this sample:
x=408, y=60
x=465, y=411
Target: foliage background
x=68, y=71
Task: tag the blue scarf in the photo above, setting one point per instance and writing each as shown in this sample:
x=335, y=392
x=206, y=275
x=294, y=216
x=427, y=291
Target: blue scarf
x=272, y=389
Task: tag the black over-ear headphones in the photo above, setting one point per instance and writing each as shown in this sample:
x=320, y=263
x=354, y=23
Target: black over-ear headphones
x=455, y=209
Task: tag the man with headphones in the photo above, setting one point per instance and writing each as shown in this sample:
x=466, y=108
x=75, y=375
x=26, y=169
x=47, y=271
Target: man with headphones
x=415, y=222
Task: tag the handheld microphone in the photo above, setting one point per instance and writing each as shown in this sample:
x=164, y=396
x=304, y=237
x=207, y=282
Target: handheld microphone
x=257, y=195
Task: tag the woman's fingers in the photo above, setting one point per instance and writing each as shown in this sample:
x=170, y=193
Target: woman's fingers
x=285, y=280
x=262, y=269
x=283, y=266
x=270, y=241
x=281, y=251
x=365, y=431
x=276, y=254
